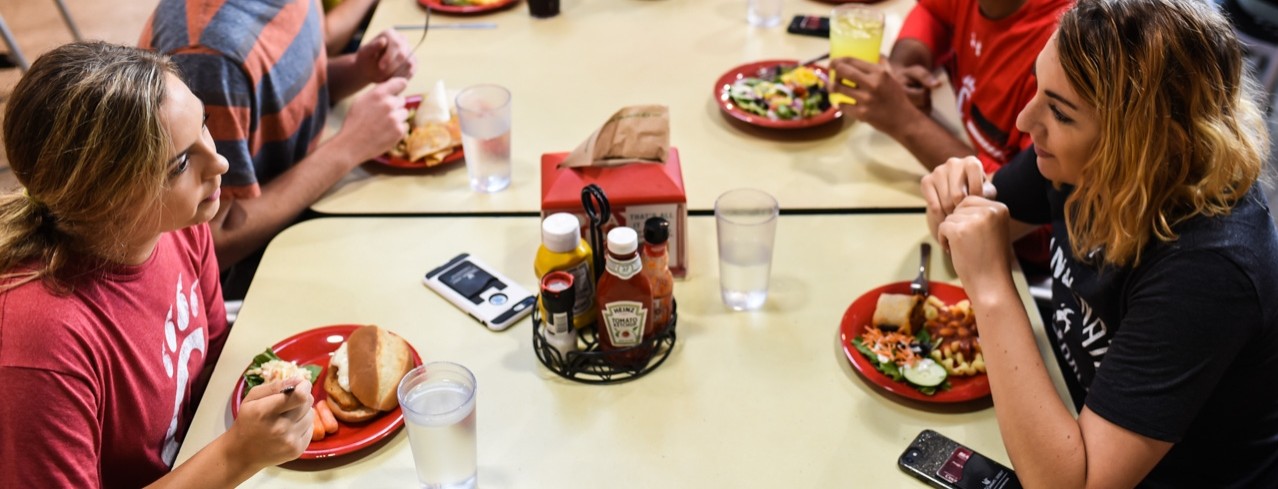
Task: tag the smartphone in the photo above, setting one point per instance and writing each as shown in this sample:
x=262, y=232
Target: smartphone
x=486, y=295
x=945, y=464
x=810, y=25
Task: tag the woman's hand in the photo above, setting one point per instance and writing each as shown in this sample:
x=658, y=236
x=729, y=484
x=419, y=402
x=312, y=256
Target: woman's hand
x=948, y=185
x=273, y=427
x=976, y=236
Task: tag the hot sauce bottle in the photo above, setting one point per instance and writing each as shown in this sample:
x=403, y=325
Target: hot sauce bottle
x=624, y=296
x=656, y=267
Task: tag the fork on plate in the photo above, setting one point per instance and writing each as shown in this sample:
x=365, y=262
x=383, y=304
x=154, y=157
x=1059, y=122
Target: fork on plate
x=919, y=285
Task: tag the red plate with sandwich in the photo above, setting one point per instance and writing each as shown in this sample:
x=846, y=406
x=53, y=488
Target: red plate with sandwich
x=965, y=381
x=373, y=355
x=425, y=147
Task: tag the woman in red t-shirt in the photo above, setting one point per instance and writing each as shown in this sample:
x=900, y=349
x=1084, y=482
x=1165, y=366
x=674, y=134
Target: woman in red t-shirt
x=111, y=314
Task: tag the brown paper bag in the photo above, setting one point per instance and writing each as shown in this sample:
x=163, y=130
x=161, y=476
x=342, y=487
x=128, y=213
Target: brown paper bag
x=635, y=134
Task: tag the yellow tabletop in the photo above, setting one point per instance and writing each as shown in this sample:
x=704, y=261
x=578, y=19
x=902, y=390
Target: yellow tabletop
x=569, y=73
x=758, y=399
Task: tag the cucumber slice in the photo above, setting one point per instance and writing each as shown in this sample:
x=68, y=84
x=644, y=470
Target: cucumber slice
x=925, y=373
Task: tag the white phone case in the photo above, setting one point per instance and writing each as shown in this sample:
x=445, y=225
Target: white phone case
x=486, y=295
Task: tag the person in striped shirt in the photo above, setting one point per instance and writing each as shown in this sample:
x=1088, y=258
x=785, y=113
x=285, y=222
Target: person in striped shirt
x=262, y=71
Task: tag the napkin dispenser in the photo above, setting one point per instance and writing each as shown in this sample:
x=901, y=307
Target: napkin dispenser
x=630, y=158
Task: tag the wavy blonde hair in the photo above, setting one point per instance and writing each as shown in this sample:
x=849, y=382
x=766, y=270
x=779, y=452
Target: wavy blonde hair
x=84, y=137
x=1180, y=132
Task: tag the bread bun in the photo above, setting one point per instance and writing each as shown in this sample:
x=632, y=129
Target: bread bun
x=378, y=359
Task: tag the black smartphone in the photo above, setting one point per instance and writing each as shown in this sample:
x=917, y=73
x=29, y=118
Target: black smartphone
x=945, y=464
x=810, y=25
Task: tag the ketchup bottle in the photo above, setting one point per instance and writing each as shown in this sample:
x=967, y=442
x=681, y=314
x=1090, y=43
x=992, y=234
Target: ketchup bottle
x=624, y=296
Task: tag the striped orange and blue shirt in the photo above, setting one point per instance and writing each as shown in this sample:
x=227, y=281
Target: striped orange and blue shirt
x=260, y=68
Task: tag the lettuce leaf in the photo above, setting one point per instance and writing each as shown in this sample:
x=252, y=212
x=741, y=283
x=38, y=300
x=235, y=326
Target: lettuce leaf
x=254, y=380
x=893, y=371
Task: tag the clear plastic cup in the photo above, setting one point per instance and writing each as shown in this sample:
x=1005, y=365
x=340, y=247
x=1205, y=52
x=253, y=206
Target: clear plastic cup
x=438, y=400
x=746, y=221
x=484, y=114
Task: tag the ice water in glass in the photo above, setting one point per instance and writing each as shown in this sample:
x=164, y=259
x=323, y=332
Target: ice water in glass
x=438, y=400
x=746, y=222
x=484, y=114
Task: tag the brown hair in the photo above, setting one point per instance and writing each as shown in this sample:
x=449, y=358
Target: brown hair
x=85, y=139
x=1180, y=132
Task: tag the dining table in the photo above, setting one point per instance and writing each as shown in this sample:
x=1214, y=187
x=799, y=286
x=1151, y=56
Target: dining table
x=764, y=398
x=569, y=73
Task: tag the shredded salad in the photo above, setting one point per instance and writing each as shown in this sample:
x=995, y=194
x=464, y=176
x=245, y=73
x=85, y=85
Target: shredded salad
x=794, y=93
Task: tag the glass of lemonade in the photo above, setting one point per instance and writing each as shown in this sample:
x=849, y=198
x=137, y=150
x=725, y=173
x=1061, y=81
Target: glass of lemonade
x=856, y=31
x=438, y=400
x=746, y=224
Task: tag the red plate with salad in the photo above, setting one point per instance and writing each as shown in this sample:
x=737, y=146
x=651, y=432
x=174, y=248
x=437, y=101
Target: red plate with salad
x=960, y=381
x=311, y=350
x=466, y=6
x=776, y=94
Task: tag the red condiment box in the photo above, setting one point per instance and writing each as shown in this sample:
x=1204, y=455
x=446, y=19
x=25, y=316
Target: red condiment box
x=635, y=191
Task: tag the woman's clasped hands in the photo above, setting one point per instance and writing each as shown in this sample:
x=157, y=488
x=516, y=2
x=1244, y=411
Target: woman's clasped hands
x=970, y=226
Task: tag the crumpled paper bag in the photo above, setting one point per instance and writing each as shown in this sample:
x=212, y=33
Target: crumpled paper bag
x=635, y=134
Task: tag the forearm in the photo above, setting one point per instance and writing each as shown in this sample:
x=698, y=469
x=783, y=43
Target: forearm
x=927, y=139
x=1042, y=438
x=341, y=22
x=248, y=224
x=910, y=52
x=214, y=466
x=343, y=79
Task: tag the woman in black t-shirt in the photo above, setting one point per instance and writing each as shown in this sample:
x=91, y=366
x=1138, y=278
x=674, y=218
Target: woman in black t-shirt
x=1148, y=146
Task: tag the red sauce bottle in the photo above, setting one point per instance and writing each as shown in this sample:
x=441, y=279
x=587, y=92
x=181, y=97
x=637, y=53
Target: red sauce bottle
x=624, y=296
x=656, y=266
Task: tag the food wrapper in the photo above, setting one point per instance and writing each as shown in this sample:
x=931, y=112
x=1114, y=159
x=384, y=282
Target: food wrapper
x=434, y=107
x=635, y=134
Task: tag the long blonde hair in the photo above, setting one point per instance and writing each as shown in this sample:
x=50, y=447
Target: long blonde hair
x=1180, y=131
x=84, y=138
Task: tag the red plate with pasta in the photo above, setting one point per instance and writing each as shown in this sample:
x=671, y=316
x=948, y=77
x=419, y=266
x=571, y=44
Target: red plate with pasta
x=858, y=318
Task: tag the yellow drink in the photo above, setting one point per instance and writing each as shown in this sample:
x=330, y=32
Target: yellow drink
x=856, y=31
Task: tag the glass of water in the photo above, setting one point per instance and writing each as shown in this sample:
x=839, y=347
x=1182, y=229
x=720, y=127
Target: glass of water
x=484, y=114
x=438, y=400
x=746, y=220
x=763, y=13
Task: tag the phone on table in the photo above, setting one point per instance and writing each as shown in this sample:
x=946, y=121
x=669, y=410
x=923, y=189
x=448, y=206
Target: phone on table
x=945, y=464
x=486, y=295
x=810, y=25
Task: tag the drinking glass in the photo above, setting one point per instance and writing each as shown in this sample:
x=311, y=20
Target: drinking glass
x=763, y=13
x=746, y=221
x=484, y=114
x=856, y=31
x=438, y=400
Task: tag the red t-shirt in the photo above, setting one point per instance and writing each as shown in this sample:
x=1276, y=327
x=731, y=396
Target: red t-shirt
x=98, y=387
x=990, y=64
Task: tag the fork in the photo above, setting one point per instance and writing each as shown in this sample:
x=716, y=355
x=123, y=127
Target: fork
x=425, y=29
x=919, y=286
x=773, y=71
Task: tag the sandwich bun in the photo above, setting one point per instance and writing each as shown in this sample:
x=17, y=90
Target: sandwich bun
x=376, y=360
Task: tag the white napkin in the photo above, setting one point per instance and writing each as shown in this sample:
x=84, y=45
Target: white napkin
x=434, y=106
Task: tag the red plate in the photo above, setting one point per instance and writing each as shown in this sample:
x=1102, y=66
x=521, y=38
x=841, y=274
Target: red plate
x=858, y=317
x=440, y=6
x=725, y=82
x=314, y=347
x=411, y=102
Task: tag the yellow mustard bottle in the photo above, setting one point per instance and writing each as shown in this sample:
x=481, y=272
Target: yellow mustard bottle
x=562, y=249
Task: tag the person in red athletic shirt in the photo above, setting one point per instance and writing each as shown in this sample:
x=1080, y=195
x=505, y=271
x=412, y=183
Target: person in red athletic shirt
x=111, y=313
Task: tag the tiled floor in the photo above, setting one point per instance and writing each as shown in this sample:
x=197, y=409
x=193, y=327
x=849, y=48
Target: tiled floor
x=38, y=27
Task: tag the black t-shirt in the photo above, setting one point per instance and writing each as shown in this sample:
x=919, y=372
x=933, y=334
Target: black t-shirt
x=1182, y=348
